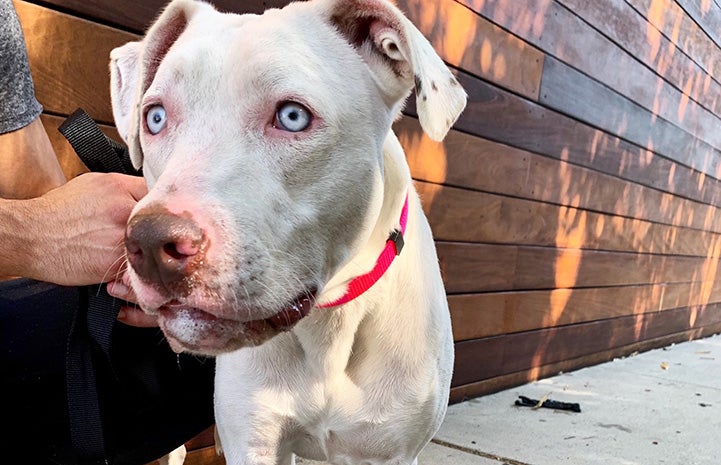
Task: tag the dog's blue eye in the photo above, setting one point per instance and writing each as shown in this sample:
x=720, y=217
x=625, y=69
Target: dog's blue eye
x=155, y=118
x=292, y=117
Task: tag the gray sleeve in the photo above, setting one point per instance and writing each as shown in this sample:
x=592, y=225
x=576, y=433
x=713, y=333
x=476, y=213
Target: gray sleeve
x=18, y=106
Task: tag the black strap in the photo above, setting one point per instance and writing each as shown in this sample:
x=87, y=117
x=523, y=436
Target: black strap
x=95, y=149
x=92, y=326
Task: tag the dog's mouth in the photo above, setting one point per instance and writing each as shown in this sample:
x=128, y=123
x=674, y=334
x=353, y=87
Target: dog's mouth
x=190, y=329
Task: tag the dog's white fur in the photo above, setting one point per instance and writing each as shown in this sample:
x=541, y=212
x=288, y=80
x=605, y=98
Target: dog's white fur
x=366, y=382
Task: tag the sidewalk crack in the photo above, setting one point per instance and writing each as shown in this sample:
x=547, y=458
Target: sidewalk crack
x=486, y=455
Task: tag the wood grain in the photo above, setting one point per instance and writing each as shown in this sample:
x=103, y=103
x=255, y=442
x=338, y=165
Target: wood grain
x=460, y=36
x=672, y=21
x=579, y=96
x=473, y=268
x=137, y=15
x=463, y=160
x=495, y=114
x=706, y=15
x=201, y=450
x=632, y=32
x=491, y=314
x=69, y=60
x=491, y=218
x=501, y=355
x=204, y=456
x=559, y=33
x=465, y=40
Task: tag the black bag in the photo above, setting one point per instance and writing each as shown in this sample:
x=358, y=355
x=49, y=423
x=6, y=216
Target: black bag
x=80, y=388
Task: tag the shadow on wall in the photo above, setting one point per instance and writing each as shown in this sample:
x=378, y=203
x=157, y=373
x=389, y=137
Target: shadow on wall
x=564, y=185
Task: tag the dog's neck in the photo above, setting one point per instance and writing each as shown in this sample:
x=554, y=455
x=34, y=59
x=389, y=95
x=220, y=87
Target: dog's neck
x=393, y=215
x=394, y=246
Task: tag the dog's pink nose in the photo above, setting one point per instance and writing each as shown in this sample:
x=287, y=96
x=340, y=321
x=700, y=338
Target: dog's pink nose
x=162, y=247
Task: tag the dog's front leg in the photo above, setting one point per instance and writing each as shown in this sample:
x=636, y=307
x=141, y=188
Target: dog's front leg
x=255, y=450
x=253, y=439
x=252, y=420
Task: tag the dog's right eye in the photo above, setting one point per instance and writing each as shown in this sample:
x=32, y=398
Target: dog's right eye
x=292, y=117
x=155, y=119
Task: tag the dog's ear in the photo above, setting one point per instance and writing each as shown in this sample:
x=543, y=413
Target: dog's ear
x=123, y=85
x=400, y=59
x=133, y=67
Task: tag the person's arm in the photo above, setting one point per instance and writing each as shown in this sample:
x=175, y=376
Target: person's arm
x=73, y=235
x=28, y=165
x=23, y=152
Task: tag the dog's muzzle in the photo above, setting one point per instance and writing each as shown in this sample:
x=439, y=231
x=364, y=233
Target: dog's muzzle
x=165, y=249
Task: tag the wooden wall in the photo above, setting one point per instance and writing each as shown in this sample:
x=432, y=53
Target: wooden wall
x=576, y=206
x=576, y=202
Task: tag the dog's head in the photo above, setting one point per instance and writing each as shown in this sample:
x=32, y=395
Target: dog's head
x=261, y=141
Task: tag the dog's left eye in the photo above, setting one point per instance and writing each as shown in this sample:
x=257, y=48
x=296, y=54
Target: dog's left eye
x=292, y=117
x=155, y=119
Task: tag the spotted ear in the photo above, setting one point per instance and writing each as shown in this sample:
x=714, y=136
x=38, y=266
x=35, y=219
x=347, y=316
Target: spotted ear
x=400, y=58
x=133, y=67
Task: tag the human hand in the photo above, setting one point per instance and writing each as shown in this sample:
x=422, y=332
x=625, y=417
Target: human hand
x=74, y=234
x=130, y=315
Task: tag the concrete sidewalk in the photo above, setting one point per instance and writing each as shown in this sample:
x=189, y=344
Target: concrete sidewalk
x=659, y=407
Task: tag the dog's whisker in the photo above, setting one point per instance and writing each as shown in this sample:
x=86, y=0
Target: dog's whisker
x=121, y=269
x=108, y=271
x=293, y=258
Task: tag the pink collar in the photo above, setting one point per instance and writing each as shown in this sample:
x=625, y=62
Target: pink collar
x=362, y=283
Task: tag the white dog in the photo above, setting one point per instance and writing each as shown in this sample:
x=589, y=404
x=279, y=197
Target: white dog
x=272, y=233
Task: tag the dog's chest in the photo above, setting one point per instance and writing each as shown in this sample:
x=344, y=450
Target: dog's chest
x=346, y=422
x=341, y=437
x=339, y=415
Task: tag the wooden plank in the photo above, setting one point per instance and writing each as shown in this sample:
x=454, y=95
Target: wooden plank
x=498, y=115
x=491, y=314
x=458, y=34
x=204, y=456
x=558, y=32
x=490, y=218
x=472, y=268
x=465, y=40
x=707, y=14
x=69, y=60
x=498, y=383
x=477, y=267
x=631, y=31
x=668, y=17
x=463, y=160
x=496, y=356
x=137, y=15
x=204, y=439
x=589, y=268
x=577, y=95
x=131, y=15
